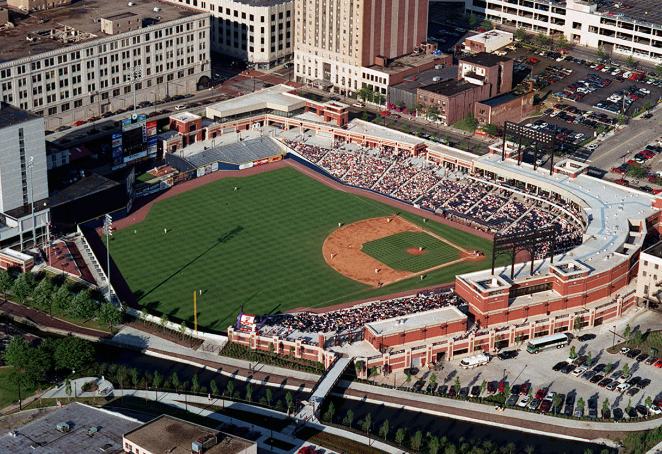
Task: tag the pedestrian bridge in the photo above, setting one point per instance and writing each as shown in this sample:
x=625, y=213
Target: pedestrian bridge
x=311, y=409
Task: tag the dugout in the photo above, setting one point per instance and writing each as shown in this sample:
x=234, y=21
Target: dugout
x=91, y=197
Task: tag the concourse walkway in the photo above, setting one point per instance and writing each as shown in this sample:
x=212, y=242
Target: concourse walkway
x=323, y=388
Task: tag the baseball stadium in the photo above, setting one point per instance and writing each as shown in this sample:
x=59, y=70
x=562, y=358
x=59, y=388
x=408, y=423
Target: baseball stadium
x=329, y=234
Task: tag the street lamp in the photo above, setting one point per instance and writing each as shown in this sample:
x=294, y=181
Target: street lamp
x=108, y=231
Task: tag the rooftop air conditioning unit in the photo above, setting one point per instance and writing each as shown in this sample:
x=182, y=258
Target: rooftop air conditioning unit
x=438, y=66
x=131, y=4
x=157, y=9
x=436, y=79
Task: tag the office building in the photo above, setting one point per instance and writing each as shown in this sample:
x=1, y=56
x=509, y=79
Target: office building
x=649, y=277
x=336, y=40
x=36, y=5
x=23, y=179
x=71, y=63
x=260, y=32
x=620, y=31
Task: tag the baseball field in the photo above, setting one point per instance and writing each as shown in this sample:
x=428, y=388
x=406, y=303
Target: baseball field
x=257, y=241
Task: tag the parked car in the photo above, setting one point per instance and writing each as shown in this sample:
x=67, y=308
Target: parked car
x=507, y=354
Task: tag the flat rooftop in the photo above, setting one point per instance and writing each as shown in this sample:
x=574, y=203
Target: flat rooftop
x=425, y=78
x=10, y=115
x=484, y=59
x=405, y=62
x=497, y=100
x=450, y=87
x=422, y=319
x=655, y=250
x=42, y=437
x=278, y=97
x=166, y=434
x=85, y=186
x=80, y=16
x=381, y=132
x=643, y=10
x=491, y=35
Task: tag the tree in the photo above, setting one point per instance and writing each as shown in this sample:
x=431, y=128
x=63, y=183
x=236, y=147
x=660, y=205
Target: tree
x=348, y=419
x=269, y=396
x=589, y=359
x=463, y=144
x=373, y=372
x=163, y=322
x=605, y=406
x=6, y=282
x=364, y=115
x=67, y=387
x=658, y=70
x=620, y=118
x=639, y=335
x=408, y=376
x=433, y=381
x=195, y=384
x=367, y=423
x=366, y=93
x=29, y=363
x=230, y=388
x=358, y=367
x=562, y=42
x=580, y=403
x=573, y=352
x=42, y=294
x=471, y=121
x=491, y=129
x=157, y=381
x=23, y=286
x=405, y=128
x=520, y=34
x=636, y=172
x=379, y=98
x=419, y=131
x=487, y=25
x=330, y=411
x=541, y=39
x=431, y=112
x=577, y=325
x=608, y=368
x=473, y=20
x=289, y=400
x=109, y=315
x=647, y=105
x=384, y=429
x=483, y=387
x=628, y=331
x=249, y=392
x=648, y=402
x=175, y=381
x=135, y=379
x=529, y=449
x=626, y=369
x=433, y=445
x=457, y=385
x=630, y=61
x=557, y=401
x=601, y=52
x=629, y=406
x=83, y=306
x=400, y=436
x=417, y=440
x=73, y=353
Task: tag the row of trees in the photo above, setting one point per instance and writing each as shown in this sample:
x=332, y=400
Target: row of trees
x=32, y=364
x=419, y=442
x=368, y=94
x=56, y=299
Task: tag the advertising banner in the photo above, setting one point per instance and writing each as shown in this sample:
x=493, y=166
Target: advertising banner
x=200, y=171
x=247, y=165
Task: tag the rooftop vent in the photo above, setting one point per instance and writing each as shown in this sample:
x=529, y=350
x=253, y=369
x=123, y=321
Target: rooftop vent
x=157, y=9
x=63, y=427
x=132, y=4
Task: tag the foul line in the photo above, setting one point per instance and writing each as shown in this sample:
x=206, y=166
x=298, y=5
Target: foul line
x=432, y=234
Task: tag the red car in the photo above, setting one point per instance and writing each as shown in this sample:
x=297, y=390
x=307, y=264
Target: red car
x=658, y=363
x=307, y=450
x=618, y=170
x=541, y=393
x=524, y=390
x=502, y=387
x=80, y=122
x=545, y=406
x=385, y=112
x=647, y=153
x=622, y=182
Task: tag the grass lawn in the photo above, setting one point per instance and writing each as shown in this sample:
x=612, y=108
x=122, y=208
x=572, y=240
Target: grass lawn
x=464, y=125
x=392, y=251
x=9, y=391
x=259, y=246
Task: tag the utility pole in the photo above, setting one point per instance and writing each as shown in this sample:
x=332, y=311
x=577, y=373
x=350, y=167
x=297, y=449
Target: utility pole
x=108, y=231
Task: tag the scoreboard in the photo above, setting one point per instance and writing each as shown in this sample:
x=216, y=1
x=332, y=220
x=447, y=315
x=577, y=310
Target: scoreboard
x=136, y=142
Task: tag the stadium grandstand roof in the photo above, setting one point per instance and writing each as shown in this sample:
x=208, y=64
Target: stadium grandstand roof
x=235, y=153
x=416, y=321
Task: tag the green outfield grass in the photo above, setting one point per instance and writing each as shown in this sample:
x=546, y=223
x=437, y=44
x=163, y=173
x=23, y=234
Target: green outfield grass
x=259, y=246
x=392, y=251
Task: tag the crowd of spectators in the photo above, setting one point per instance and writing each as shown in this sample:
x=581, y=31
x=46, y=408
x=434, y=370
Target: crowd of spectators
x=489, y=205
x=356, y=317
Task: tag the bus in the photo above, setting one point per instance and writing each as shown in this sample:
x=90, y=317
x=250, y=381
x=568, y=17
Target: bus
x=555, y=340
x=475, y=361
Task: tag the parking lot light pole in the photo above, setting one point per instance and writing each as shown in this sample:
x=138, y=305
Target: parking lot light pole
x=613, y=342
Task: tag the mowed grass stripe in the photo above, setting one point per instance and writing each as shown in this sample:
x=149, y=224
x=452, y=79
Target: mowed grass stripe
x=392, y=251
x=260, y=246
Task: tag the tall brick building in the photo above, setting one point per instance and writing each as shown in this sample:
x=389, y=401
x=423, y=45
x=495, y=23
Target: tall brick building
x=336, y=38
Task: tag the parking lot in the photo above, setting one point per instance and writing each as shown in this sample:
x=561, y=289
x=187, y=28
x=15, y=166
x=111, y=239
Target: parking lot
x=536, y=371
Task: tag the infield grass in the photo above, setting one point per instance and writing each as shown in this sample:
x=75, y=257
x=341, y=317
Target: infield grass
x=392, y=251
x=259, y=246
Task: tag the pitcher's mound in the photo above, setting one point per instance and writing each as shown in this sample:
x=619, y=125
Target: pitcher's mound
x=415, y=251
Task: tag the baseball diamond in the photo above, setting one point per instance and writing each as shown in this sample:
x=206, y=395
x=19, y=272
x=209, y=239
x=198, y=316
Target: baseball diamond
x=259, y=246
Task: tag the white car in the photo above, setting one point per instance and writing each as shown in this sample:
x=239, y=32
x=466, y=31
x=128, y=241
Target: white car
x=655, y=410
x=626, y=75
x=623, y=387
x=180, y=107
x=524, y=401
x=579, y=371
x=625, y=351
